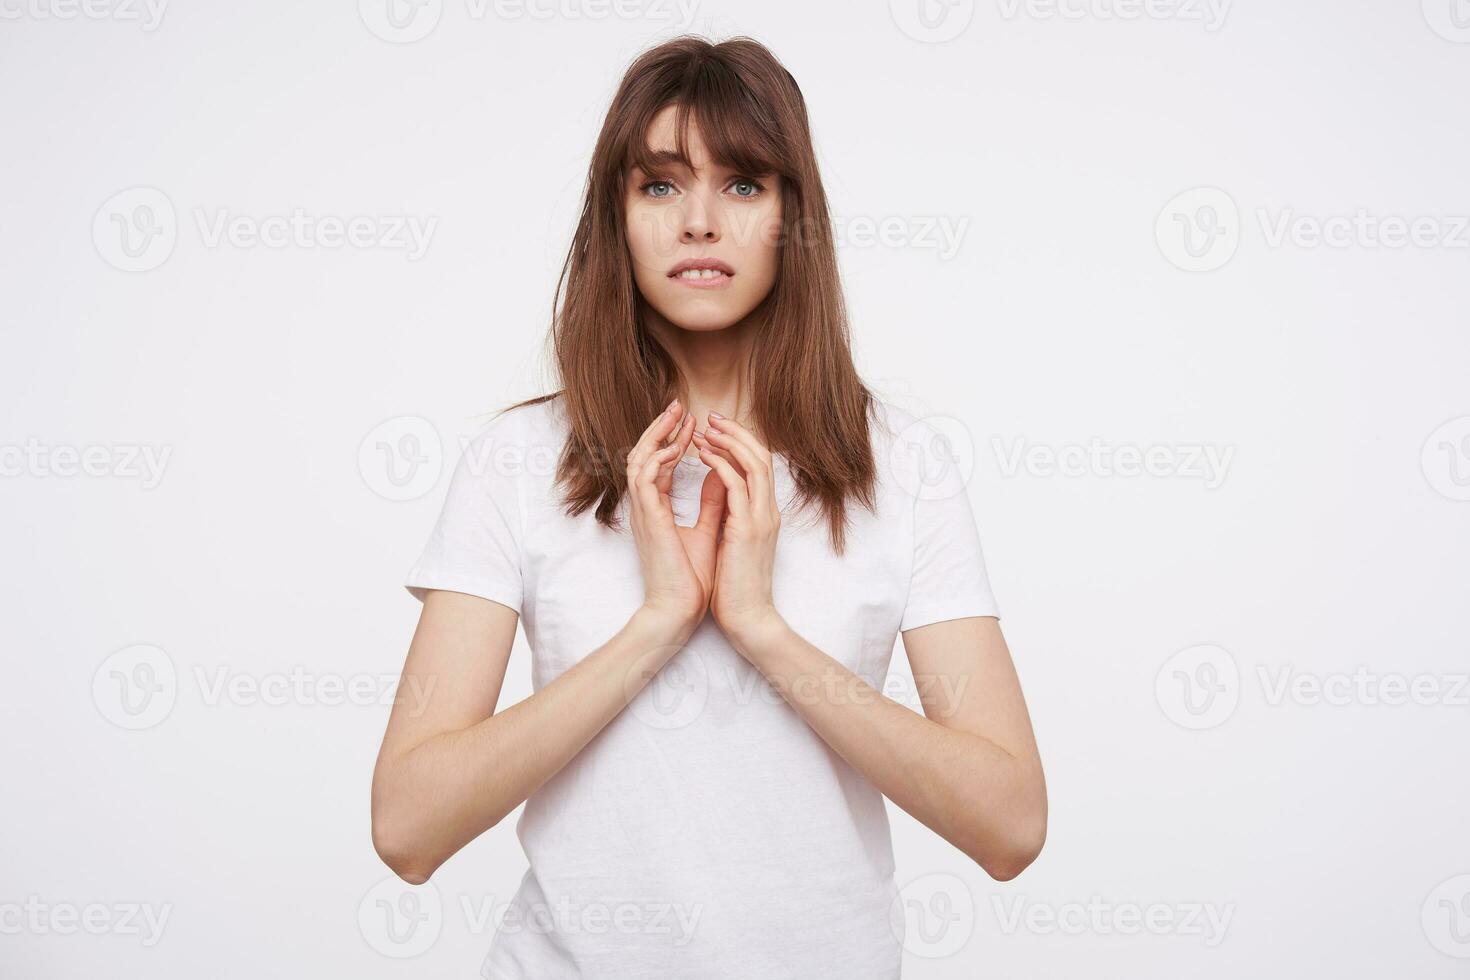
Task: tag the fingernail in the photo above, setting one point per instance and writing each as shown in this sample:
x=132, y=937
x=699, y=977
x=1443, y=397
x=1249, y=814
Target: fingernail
x=715, y=415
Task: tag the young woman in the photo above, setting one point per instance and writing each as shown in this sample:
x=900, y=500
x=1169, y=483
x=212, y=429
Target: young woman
x=710, y=600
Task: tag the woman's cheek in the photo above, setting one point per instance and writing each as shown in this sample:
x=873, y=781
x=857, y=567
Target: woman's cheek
x=768, y=254
x=651, y=238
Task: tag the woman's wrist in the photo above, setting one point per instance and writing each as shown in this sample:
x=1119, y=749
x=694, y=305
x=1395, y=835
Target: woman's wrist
x=755, y=631
x=668, y=626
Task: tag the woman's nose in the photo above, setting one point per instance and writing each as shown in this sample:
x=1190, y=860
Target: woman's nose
x=701, y=221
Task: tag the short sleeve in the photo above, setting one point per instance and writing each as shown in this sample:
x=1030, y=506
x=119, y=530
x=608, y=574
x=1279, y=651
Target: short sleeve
x=475, y=546
x=948, y=579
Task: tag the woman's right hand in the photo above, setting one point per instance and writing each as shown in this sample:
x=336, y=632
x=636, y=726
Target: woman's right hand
x=678, y=563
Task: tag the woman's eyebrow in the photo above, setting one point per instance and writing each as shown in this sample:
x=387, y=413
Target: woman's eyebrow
x=663, y=158
x=654, y=162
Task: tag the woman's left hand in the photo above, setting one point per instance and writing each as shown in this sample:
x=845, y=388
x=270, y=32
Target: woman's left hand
x=741, y=602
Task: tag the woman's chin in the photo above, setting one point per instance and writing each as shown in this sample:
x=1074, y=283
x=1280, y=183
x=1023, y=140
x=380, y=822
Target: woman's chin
x=703, y=318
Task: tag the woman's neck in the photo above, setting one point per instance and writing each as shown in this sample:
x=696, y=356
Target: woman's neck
x=713, y=368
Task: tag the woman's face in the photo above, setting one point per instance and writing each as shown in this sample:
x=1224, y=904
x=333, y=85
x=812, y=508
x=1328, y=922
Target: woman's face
x=720, y=225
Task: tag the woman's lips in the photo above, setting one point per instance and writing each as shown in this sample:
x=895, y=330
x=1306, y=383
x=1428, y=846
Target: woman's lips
x=702, y=273
x=702, y=278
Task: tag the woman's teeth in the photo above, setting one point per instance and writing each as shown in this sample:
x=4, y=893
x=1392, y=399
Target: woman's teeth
x=701, y=274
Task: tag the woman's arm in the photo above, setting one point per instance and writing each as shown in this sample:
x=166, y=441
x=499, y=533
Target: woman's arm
x=968, y=768
x=450, y=767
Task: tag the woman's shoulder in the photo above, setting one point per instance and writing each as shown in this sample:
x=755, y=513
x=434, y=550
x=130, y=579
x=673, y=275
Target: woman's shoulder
x=542, y=422
x=527, y=419
x=894, y=423
x=515, y=433
x=910, y=440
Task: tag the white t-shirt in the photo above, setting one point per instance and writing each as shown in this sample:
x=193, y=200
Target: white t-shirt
x=707, y=832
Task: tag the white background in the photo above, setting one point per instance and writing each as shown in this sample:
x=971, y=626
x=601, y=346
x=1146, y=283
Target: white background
x=1153, y=617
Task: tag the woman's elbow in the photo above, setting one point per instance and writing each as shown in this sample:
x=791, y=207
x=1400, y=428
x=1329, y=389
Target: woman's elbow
x=1019, y=845
x=398, y=852
x=1018, y=854
x=397, y=842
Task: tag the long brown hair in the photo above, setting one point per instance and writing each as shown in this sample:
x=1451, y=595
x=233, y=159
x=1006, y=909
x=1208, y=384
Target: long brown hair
x=807, y=399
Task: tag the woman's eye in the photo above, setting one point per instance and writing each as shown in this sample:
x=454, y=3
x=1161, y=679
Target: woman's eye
x=746, y=188
x=658, y=188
